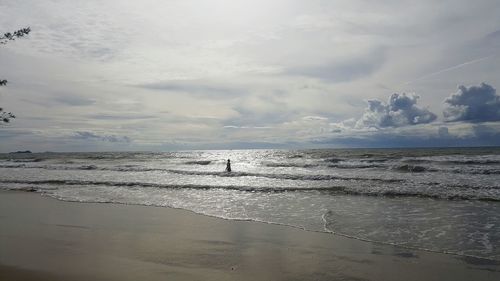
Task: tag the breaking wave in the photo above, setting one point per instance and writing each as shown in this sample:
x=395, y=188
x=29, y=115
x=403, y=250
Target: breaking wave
x=339, y=189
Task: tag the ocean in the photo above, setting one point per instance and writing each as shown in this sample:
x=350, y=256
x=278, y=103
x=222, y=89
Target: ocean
x=445, y=199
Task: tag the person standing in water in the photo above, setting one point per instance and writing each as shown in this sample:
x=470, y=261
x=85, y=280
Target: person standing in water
x=228, y=166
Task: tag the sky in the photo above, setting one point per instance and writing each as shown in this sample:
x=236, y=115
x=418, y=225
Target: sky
x=227, y=74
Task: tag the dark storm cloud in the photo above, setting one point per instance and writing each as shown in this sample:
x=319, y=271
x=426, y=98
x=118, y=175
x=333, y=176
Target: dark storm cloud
x=401, y=110
x=474, y=104
x=85, y=135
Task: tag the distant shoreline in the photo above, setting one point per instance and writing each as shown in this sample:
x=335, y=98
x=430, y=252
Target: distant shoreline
x=21, y=152
x=278, y=149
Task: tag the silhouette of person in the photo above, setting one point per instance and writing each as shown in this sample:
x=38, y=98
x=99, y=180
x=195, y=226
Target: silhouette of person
x=228, y=166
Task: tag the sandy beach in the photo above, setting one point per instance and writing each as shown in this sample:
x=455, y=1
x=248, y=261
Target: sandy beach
x=45, y=239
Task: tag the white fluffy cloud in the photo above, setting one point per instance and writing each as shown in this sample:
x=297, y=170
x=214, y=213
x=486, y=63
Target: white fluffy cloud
x=400, y=110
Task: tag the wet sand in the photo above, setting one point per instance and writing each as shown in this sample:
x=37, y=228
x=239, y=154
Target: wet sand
x=45, y=239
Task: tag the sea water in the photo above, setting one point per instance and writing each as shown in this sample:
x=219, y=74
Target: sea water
x=445, y=200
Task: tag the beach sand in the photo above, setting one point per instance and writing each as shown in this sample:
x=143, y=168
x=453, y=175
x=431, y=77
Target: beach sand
x=45, y=239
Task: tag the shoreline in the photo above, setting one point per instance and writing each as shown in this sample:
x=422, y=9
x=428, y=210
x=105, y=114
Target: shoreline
x=270, y=223
x=41, y=234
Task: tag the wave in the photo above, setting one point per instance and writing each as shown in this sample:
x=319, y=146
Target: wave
x=419, y=169
x=345, y=165
x=377, y=160
x=333, y=160
x=312, y=177
x=443, y=196
x=88, y=167
x=137, y=168
x=328, y=217
x=168, y=186
x=279, y=176
x=354, y=166
x=290, y=165
x=480, y=172
x=475, y=162
x=413, y=168
x=454, y=162
x=330, y=190
x=24, y=160
x=198, y=162
x=14, y=166
x=56, y=167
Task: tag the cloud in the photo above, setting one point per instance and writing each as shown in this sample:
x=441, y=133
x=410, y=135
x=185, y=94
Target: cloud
x=75, y=100
x=314, y=118
x=7, y=132
x=249, y=116
x=444, y=132
x=492, y=39
x=114, y=116
x=401, y=110
x=86, y=34
x=474, y=104
x=210, y=71
x=435, y=134
x=85, y=135
x=342, y=71
x=246, y=127
x=196, y=88
x=454, y=67
x=486, y=134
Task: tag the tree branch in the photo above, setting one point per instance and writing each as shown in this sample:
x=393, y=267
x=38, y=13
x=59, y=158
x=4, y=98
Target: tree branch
x=9, y=36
